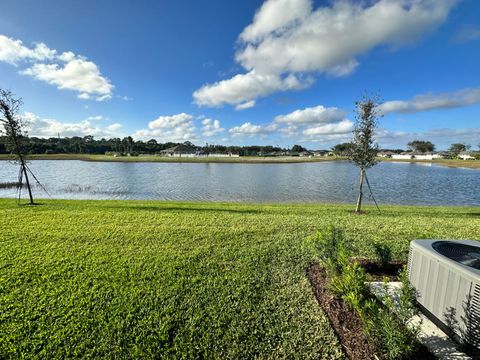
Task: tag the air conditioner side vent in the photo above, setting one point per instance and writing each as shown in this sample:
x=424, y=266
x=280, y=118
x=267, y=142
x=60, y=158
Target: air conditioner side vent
x=409, y=262
x=474, y=315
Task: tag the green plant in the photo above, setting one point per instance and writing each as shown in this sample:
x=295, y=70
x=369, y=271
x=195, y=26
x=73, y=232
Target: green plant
x=332, y=249
x=349, y=284
x=394, y=339
x=407, y=299
x=383, y=253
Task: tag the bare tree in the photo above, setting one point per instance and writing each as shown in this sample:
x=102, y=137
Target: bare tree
x=364, y=149
x=14, y=131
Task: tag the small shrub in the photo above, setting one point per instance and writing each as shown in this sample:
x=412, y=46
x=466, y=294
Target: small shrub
x=349, y=285
x=383, y=253
x=407, y=301
x=332, y=249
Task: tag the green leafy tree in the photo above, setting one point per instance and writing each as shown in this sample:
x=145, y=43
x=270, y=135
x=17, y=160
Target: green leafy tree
x=344, y=149
x=421, y=146
x=14, y=132
x=364, y=149
x=456, y=149
x=298, y=148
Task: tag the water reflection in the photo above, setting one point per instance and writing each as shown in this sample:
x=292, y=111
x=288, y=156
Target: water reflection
x=393, y=183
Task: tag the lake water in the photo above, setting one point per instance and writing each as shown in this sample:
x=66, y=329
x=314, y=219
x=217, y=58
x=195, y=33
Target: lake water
x=392, y=183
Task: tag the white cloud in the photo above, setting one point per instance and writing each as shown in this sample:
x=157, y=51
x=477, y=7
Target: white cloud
x=13, y=51
x=245, y=105
x=66, y=71
x=317, y=123
x=427, y=102
x=317, y=114
x=40, y=127
x=343, y=127
x=243, y=88
x=289, y=37
x=275, y=15
x=211, y=127
x=114, y=127
x=252, y=130
x=175, y=128
x=78, y=74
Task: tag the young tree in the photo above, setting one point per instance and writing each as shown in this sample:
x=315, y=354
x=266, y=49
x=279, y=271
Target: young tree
x=364, y=148
x=14, y=131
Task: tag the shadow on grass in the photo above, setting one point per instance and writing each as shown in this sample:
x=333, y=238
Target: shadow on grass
x=186, y=209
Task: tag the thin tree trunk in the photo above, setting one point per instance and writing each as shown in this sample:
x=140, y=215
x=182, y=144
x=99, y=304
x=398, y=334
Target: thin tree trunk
x=24, y=168
x=360, y=195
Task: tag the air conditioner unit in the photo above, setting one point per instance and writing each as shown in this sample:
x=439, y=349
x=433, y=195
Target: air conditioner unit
x=446, y=275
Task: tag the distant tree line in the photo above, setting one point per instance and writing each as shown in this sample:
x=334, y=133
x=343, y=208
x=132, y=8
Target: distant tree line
x=127, y=145
x=419, y=146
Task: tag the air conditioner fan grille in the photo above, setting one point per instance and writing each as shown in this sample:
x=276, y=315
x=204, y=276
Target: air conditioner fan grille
x=464, y=254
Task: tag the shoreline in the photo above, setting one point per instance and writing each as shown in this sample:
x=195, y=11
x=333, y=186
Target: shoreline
x=348, y=207
x=471, y=164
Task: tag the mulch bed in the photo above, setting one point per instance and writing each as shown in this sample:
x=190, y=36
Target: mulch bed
x=346, y=322
x=379, y=273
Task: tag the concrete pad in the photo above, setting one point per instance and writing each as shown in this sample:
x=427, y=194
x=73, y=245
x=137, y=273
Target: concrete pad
x=439, y=343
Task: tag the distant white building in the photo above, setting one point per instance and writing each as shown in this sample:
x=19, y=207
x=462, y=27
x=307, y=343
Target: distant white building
x=427, y=156
x=224, y=155
x=466, y=156
x=403, y=156
x=386, y=154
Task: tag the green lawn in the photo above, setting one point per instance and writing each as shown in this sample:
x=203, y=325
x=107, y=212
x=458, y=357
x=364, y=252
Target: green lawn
x=130, y=279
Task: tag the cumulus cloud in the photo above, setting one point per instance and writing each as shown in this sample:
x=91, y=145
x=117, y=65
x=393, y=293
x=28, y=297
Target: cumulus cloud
x=41, y=127
x=290, y=37
x=65, y=70
x=77, y=74
x=426, y=102
x=245, y=105
x=317, y=114
x=343, y=127
x=250, y=129
x=211, y=127
x=13, y=51
x=315, y=123
x=174, y=128
x=243, y=88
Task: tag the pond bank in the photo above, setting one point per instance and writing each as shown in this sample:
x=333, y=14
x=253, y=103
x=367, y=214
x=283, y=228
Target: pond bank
x=473, y=164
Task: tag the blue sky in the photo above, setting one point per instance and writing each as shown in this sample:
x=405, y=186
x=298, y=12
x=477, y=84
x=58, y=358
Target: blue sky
x=277, y=72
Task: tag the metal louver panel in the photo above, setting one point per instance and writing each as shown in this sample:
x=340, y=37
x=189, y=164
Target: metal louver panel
x=474, y=318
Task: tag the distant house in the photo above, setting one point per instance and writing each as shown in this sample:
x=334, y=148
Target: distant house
x=386, y=154
x=181, y=150
x=223, y=155
x=305, y=154
x=428, y=156
x=466, y=156
x=322, y=153
x=403, y=156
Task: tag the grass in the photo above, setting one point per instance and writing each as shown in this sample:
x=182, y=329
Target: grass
x=130, y=279
x=151, y=158
x=454, y=163
x=473, y=164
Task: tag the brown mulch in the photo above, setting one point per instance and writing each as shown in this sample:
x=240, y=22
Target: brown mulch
x=347, y=324
x=345, y=321
x=380, y=273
